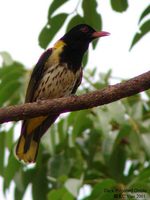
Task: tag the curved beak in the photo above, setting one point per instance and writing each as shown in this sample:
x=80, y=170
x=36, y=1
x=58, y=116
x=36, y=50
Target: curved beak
x=100, y=34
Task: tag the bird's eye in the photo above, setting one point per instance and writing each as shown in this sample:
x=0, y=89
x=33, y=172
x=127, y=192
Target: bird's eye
x=85, y=29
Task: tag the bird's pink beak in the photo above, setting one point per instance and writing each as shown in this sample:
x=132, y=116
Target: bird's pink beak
x=100, y=34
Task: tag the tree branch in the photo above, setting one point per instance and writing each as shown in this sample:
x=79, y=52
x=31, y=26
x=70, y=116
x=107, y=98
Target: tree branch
x=74, y=103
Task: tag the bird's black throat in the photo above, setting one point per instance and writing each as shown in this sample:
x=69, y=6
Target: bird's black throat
x=73, y=54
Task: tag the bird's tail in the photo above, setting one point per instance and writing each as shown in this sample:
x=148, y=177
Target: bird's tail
x=27, y=149
x=31, y=133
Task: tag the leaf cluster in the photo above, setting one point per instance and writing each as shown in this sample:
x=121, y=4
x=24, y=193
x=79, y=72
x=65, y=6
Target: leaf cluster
x=105, y=148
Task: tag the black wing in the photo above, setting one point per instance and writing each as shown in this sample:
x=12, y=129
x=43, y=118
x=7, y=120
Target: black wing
x=36, y=75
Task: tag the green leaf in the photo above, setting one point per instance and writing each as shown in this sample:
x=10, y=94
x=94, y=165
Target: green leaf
x=54, y=6
x=119, y=153
x=10, y=77
x=146, y=143
x=119, y=116
x=52, y=27
x=8, y=69
x=14, y=73
x=102, y=121
x=7, y=59
x=7, y=91
x=144, y=13
x=106, y=76
x=85, y=59
x=19, y=183
x=119, y=5
x=73, y=185
x=2, y=152
x=18, y=194
x=75, y=21
x=40, y=184
x=9, y=138
x=100, y=190
x=18, y=179
x=123, y=133
x=107, y=147
x=28, y=176
x=144, y=29
x=77, y=162
x=62, y=129
x=144, y=174
x=142, y=180
x=135, y=142
x=59, y=164
x=60, y=194
x=10, y=170
x=137, y=110
x=92, y=18
x=118, y=161
x=22, y=179
x=44, y=37
x=79, y=125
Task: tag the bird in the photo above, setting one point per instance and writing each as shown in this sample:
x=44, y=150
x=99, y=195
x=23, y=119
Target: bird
x=58, y=73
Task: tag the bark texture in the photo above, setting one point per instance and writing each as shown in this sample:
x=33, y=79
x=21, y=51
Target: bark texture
x=74, y=103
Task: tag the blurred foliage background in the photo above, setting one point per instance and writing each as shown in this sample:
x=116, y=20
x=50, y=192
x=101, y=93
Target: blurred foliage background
x=87, y=152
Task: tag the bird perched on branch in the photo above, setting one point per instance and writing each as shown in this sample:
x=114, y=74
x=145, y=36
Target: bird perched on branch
x=58, y=73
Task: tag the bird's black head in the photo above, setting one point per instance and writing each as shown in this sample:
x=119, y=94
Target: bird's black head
x=81, y=35
x=77, y=41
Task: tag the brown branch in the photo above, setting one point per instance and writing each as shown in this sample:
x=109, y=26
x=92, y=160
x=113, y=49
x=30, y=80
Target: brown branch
x=74, y=103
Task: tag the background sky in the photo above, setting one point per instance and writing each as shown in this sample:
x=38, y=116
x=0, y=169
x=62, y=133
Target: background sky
x=22, y=21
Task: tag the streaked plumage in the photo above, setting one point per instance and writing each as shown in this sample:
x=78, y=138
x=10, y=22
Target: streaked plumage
x=58, y=73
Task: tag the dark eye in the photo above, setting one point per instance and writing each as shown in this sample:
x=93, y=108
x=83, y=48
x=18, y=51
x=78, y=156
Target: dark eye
x=85, y=29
